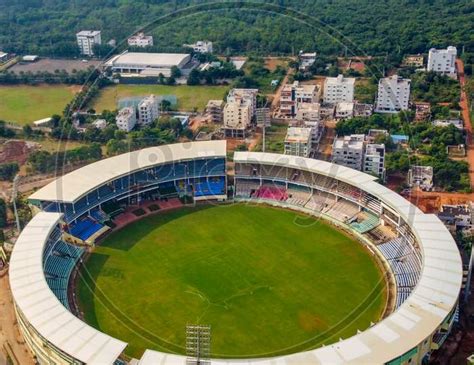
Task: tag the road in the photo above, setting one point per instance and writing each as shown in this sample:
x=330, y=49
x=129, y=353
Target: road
x=467, y=120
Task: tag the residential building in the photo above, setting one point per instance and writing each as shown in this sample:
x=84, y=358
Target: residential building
x=3, y=56
x=30, y=58
x=393, y=94
x=421, y=176
x=140, y=40
x=339, y=89
x=422, y=111
x=363, y=110
x=148, y=110
x=375, y=134
x=458, y=123
x=237, y=117
x=374, y=160
x=457, y=217
x=326, y=110
x=201, y=46
x=306, y=60
x=344, y=110
x=294, y=94
x=126, y=119
x=399, y=138
x=249, y=95
x=349, y=151
x=141, y=64
x=413, y=61
x=86, y=40
x=215, y=110
x=443, y=61
x=308, y=112
x=100, y=123
x=298, y=142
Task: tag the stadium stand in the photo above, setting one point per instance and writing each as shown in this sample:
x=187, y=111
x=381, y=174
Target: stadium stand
x=271, y=193
x=422, y=255
x=58, y=265
x=84, y=228
x=213, y=186
x=364, y=222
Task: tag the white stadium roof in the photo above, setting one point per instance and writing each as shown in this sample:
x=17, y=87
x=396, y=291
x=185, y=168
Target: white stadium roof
x=431, y=301
x=74, y=185
x=147, y=59
x=43, y=310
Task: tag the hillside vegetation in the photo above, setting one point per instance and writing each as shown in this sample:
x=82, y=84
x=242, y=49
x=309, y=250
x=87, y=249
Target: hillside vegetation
x=48, y=27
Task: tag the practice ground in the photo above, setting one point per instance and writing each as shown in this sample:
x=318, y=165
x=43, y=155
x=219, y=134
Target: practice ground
x=25, y=104
x=189, y=97
x=267, y=280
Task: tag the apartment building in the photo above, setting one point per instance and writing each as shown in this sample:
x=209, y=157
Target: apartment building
x=201, y=46
x=339, y=89
x=148, y=110
x=298, y=141
x=247, y=95
x=214, y=110
x=393, y=94
x=140, y=40
x=421, y=176
x=292, y=95
x=308, y=112
x=443, y=61
x=374, y=160
x=349, y=151
x=306, y=60
x=86, y=40
x=344, y=110
x=363, y=110
x=237, y=118
x=126, y=119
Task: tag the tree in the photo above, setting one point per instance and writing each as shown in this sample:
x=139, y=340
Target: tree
x=175, y=72
x=3, y=213
x=8, y=170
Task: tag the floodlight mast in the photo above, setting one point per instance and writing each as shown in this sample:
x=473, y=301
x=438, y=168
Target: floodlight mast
x=198, y=344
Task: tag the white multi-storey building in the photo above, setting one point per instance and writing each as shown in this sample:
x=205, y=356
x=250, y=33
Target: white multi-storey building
x=126, y=119
x=306, y=60
x=295, y=94
x=443, y=61
x=246, y=95
x=148, y=110
x=298, y=141
x=308, y=112
x=140, y=40
x=237, y=117
x=374, y=160
x=393, y=94
x=344, y=110
x=201, y=46
x=339, y=89
x=349, y=151
x=86, y=40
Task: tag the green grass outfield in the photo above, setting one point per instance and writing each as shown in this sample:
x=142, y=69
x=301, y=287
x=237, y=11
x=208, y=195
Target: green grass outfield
x=24, y=104
x=267, y=280
x=189, y=97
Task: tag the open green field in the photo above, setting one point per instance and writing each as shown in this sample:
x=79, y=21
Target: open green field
x=267, y=280
x=24, y=104
x=189, y=97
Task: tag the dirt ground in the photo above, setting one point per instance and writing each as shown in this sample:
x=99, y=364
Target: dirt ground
x=272, y=63
x=430, y=202
x=324, y=151
x=15, y=151
x=51, y=65
x=353, y=63
x=10, y=337
x=467, y=120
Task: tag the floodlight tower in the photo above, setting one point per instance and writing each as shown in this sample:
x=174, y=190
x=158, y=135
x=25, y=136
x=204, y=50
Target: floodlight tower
x=198, y=344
